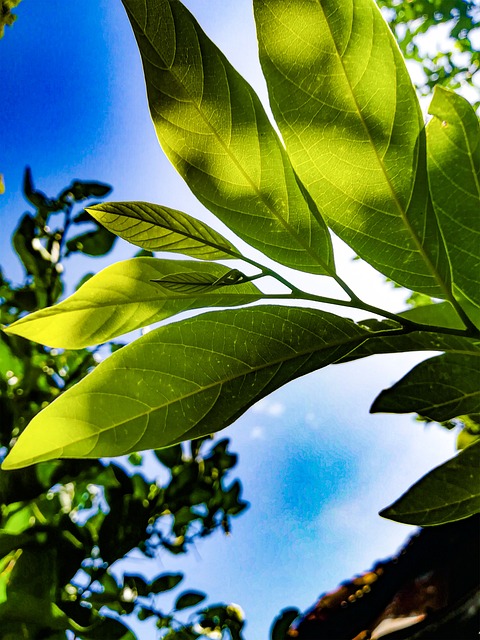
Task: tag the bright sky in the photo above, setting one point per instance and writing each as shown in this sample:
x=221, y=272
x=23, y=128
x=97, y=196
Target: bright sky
x=315, y=466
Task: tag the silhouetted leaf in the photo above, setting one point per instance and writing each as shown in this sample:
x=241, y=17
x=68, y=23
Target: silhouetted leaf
x=440, y=389
x=282, y=624
x=189, y=599
x=449, y=492
x=92, y=243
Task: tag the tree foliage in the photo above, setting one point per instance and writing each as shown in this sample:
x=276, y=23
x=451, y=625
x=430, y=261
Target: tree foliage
x=64, y=524
x=458, y=62
x=355, y=159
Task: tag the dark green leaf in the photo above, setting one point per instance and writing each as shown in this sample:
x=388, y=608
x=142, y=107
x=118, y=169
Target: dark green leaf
x=440, y=389
x=81, y=190
x=171, y=456
x=215, y=132
x=447, y=493
x=282, y=624
x=189, y=599
x=92, y=243
x=166, y=582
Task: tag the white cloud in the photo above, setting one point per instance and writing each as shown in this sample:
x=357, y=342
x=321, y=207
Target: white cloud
x=257, y=433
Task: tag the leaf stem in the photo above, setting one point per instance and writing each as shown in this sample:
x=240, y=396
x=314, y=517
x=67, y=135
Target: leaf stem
x=355, y=302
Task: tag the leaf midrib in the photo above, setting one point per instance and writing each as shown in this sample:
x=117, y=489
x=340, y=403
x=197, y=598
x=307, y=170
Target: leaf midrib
x=402, y=212
x=229, y=250
x=217, y=383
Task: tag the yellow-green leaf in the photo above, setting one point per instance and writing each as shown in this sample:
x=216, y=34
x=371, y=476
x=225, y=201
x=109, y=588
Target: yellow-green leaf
x=124, y=297
x=157, y=228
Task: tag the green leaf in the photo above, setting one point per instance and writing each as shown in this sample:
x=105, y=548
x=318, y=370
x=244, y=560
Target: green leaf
x=92, y=243
x=165, y=582
x=442, y=314
x=183, y=381
x=123, y=297
x=187, y=283
x=352, y=125
x=439, y=388
x=447, y=493
x=415, y=341
x=215, y=132
x=453, y=144
x=189, y=599
x=158, y=228
x=282, y=624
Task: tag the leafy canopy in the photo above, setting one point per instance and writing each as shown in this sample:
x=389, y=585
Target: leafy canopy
x=356, y=160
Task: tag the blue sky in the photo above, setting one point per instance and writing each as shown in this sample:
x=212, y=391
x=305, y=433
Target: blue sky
x=315, y=466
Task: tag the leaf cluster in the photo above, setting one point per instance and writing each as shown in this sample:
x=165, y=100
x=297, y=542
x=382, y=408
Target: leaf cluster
x=458, y=63
x=356, y=160
x=65, y=524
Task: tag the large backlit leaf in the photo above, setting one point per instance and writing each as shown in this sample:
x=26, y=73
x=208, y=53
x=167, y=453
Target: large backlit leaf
x=123, y=297
x=453, y=144
x=183, y=381
x=447, y=493
x=439, y=388
x=215, y=132
x=348, y=113
x=158, y=228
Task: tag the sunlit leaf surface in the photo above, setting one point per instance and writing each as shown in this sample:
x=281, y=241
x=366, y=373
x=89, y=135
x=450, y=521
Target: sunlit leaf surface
x=215, y=132
x=123, y=297
x=184, y=380
x=348, y=113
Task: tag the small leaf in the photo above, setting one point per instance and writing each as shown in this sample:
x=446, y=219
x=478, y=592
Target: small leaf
x=165, y=582
x=170, y=456
x=453, y=144
x=157, y=228
x=81, y=190
x=187, y=283
x=189, y=599
x=448, y=493
x=217, y=135
x=124, y=297
x=439, y=388
x=92, y=243
x=184, y=380
x=282, y=624
x=37, y=198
